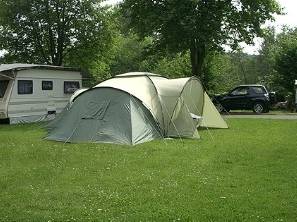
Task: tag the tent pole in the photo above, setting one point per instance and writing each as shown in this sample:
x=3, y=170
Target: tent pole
x=6, y=76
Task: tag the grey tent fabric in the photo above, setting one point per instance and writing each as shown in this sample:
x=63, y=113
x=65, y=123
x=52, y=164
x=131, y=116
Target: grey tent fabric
x=105, y=115
x=133, y=108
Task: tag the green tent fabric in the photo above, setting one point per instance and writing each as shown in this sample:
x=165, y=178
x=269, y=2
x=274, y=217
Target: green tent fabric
x=105, y=115
x=133, y=108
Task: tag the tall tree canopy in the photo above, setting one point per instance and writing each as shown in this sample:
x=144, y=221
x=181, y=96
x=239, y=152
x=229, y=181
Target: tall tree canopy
x=285, y=59
x=48, y=31
x=200, y=26
x=277, y=59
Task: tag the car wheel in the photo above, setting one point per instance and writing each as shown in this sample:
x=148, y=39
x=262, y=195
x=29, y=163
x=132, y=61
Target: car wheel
x=219, y=107
x=266, y=110
x=258, y=107
x=227, y=110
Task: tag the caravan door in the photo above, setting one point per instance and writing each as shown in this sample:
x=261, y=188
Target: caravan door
x=5, y=86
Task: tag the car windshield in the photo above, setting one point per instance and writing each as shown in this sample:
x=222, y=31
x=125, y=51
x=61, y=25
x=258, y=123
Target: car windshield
x=239, y=91
x=3, y=87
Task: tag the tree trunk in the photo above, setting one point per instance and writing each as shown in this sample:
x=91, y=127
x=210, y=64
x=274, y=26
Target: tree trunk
x=60, y=32
x=198, y=54
x=51, y=38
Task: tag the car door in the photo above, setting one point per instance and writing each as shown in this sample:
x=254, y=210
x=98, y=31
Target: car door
x=237, y=98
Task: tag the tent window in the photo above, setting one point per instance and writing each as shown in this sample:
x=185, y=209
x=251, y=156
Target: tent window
x=70, y=86
x=47, y=85
x=3, y=87
x=25, y=87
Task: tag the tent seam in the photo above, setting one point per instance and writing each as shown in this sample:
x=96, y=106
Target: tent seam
x=131, y=96
x=159, y=103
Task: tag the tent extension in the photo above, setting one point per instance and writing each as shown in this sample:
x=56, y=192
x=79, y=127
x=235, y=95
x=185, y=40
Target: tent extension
x=133, y=108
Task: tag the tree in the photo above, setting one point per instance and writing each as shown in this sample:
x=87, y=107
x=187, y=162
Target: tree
x=285, y=63
x=48, y=31
x=128, y=53
x=200, y=26
x=277, y=59
x=223, y=72
x=278, y=63
x=247, y=67
x=285, y=59
x=173, y=66
x=266, y=58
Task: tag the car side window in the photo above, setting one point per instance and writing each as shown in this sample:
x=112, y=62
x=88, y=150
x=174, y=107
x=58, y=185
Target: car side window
x=258, y=90
x=239, y=91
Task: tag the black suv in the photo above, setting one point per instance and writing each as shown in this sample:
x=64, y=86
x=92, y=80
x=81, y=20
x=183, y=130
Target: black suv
x=247, y=97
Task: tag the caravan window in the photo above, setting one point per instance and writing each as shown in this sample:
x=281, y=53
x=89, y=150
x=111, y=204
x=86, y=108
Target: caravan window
x=25, y=86
x=47, y=85
x=70, y=86
x=3, y=87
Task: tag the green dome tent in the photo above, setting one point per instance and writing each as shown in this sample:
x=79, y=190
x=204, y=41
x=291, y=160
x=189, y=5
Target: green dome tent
x=134, y=108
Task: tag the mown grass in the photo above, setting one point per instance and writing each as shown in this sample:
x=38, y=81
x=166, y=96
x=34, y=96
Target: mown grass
x=245, y=173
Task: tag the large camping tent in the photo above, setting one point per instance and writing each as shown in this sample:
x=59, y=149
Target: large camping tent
x=133, y=108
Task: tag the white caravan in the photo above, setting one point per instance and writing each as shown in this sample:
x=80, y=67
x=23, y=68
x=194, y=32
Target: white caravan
x=32, y=93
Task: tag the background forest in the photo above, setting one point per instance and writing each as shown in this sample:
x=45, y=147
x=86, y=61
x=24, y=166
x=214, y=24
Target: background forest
x=152, y=36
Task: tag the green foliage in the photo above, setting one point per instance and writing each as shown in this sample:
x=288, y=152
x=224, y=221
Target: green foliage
x=278, y=61
x=266, y=58
x=52, y=31
x=129, y=52
x=247, y=67
x=285, y=60
x=223, y=72
x=199, y=26
x=239, y=174
x=227, y=70
x=124, y=53
x=177, y=66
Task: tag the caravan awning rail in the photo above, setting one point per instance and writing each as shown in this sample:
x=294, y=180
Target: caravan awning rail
x=21, y=66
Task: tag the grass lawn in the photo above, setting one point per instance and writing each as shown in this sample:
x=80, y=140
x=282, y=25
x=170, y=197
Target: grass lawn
x=245, y=173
